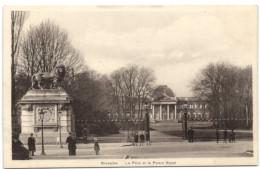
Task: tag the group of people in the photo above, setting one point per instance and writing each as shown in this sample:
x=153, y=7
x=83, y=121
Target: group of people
x=71, y=141
x=142, y=138
x=230, y=136
x=19, y=152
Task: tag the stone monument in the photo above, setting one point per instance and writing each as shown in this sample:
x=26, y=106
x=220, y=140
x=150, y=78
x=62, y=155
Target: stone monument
x=46, y=96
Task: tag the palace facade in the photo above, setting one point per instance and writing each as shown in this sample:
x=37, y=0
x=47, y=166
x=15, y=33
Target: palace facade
x=166, y=106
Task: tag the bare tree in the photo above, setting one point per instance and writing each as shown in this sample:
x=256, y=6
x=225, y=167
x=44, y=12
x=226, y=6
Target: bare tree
x=130, y=86
x=45, y=46
x=144, y=87
x=17, y=21
x=228, y=87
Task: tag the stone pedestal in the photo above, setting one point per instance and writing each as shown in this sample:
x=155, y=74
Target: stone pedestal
x=52, y=101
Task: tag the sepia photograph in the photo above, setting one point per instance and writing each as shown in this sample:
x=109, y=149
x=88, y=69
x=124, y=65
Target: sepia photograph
x=130, y=86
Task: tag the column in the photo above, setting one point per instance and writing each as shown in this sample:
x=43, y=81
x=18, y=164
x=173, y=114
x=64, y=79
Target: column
x=168, y=113
x=160, y=112
x=153, y=111
x=175, y=112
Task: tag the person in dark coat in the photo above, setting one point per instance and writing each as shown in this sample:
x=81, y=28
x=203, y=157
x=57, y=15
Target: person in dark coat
x=136, y=138
x=188, y=135
x=19, y=152
x=225, y=134
x=147, y=137
x=191, y=134
x=217, y=135
x=96, y=146
x=230, y=137
x=141, y=139
x=71, y=144
x=31, y=145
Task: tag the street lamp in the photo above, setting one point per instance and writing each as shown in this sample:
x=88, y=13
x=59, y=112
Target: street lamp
x=60, y=113
x=42, y=117
x=147, y=121
x=185, y=120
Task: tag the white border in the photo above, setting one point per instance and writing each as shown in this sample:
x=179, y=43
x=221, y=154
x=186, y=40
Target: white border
x=117, y=2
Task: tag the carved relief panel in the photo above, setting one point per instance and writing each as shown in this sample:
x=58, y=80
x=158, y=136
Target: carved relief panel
x=50, y=114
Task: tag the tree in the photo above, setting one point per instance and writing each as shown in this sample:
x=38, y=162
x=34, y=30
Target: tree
x=129, y=88
x=44, y=47
x=17, y=21
x=228, y=87
x=145, y=79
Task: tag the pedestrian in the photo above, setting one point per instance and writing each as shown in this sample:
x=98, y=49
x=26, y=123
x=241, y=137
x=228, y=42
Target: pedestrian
x=19, y=152
x=191, y=133
x=71, y=144
x=85, y=133
x=141, y=138
x=217, y=135
x=188, y=135
x=147, y=137
x=225, y=134
x=230, y=137
x=233, y=136
x=31, y=145
x=136, y=138
x=96, y=146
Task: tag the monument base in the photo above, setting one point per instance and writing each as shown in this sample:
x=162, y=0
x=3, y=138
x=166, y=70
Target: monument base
x=50, y=107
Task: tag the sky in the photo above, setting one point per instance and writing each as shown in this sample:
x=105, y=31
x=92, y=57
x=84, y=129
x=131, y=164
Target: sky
x=175, y=41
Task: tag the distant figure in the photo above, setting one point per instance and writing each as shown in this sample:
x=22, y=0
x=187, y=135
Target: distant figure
x=136, y=138
x=71, y=144
x=31, y=145
x=230, y=137
x=217, y=135
x=225, y=134
x=141, y=139
x=233, y=139
x=147, y=137
x=188, y=135
x=85, y=138
x=191, y=135
x=96, y=146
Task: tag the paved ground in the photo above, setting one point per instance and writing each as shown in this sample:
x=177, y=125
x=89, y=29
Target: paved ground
x=156, y=150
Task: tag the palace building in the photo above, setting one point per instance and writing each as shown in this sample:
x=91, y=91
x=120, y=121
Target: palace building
x=166, y=106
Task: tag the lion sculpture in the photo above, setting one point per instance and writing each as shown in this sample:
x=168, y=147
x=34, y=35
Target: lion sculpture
x=48, y=80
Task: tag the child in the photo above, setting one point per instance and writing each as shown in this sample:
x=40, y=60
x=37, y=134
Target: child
x=96, y=146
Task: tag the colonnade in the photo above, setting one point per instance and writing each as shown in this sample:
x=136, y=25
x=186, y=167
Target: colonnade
x=161, y=112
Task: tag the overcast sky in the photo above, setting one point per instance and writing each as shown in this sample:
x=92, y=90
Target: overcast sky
x=176, y=42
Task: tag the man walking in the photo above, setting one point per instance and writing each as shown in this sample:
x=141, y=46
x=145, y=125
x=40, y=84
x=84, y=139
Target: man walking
x=71, y=144
x=225, y=134
x=31, y=145
x=141, y=138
